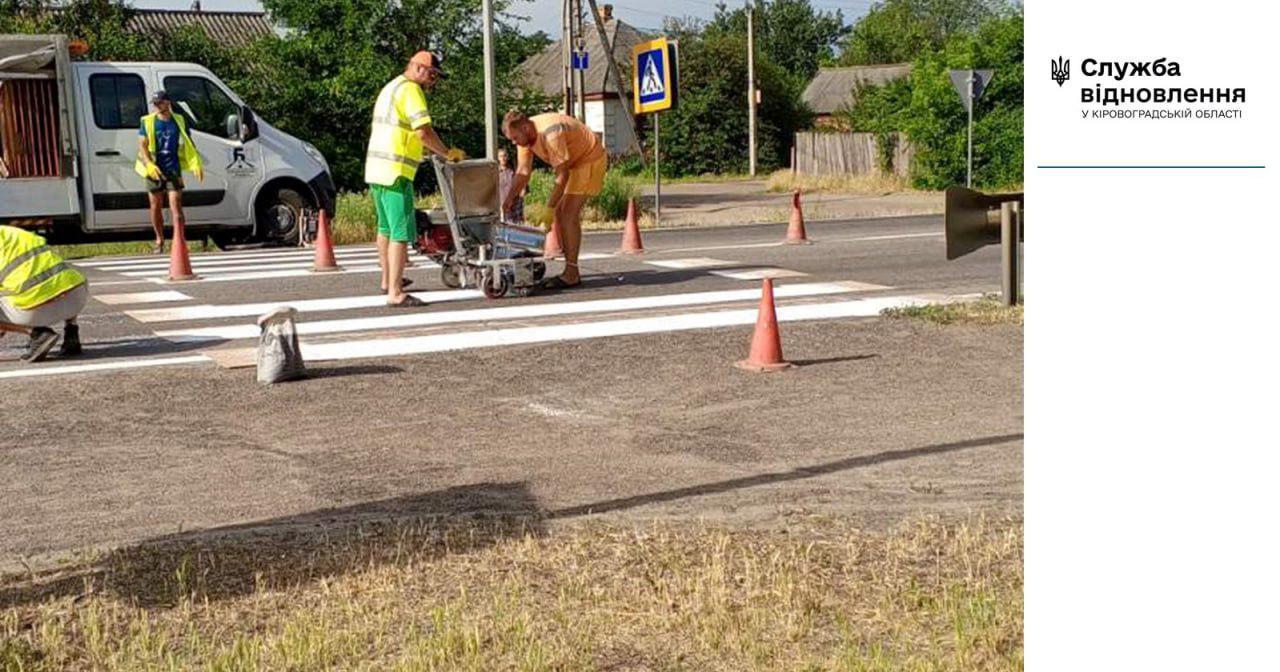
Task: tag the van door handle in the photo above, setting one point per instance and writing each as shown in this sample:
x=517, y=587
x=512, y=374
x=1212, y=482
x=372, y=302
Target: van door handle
x=106, y=152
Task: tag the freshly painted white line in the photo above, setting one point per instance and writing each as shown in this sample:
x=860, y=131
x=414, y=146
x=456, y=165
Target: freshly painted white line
x=142, y=297
x=694, y=262
x=512, y=312
x=749, y=246
x=95, y=284
x=163, y=264
x=105, y=366
x=298, y=273
x=895, y=236
x=304, y=306
x=588, y=256
x=274, y=266
x=390, y=347
x=759, y=273
x=243, y=254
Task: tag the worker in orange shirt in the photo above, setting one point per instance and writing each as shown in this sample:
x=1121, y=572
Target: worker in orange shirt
x=578, y=158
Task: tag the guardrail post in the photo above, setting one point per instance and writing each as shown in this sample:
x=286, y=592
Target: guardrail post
x=1009, y=224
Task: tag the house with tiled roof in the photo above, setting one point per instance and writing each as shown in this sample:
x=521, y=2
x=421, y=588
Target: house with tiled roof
x=835, y=88
x=228, y=28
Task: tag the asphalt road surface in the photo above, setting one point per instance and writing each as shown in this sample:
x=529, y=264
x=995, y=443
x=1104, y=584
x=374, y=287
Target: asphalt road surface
x=618, y=398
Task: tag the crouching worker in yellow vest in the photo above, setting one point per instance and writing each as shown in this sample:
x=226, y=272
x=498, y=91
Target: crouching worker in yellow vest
x=165, y=151
x=401, y=131
x=39, y=290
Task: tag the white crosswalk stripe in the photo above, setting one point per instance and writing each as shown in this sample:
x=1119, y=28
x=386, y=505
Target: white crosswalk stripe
x=141, y=297
x=200, y=331
x=304, y=306
x=514, y=311
x=216, y=262
x=273, y=266
x=414, y=345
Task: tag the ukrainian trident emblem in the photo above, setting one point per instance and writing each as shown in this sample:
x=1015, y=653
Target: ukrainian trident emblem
x=1061, y=70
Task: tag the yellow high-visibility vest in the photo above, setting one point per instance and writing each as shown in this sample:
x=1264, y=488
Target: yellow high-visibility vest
x=394, y=148
x=188, y=156
x=30, y=273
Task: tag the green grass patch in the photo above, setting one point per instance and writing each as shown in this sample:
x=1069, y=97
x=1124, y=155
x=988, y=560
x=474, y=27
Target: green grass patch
x=987, y=310
x=87, y=250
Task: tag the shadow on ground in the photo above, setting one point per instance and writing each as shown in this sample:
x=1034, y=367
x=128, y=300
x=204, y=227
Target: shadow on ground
x=236, y=560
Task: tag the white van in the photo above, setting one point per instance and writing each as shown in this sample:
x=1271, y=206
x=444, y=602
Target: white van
x=69, y=139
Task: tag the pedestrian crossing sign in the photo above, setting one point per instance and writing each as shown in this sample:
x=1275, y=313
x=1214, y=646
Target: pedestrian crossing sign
x=653, y=80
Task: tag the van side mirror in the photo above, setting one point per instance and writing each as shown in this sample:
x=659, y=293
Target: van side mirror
x=232, y=128
x=248, y=124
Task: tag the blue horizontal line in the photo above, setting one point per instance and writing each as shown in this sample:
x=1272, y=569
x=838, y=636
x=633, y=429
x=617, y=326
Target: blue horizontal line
x=1162, y=167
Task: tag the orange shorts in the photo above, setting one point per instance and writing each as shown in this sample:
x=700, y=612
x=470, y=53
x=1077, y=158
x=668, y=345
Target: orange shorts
x=588, y=180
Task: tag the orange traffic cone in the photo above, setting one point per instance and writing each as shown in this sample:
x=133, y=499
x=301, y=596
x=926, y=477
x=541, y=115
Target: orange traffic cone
x=551, y=248
x=631, y=243
x=179, y=258
x=795, y=228
x=766, y=343
x=325, y=262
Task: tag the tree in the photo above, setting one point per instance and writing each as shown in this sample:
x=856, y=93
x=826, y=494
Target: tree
x=791, y=33
x=100, y=23
x=899, y=31
x=936, y=121
x=338, y=54
x=707, y=132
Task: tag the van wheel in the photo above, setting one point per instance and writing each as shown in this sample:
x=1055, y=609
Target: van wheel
x=280, y=217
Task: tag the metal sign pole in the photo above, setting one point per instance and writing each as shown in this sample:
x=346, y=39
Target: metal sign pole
x=490, y=95
x=657, y=174
x=751, y=91
x=968, y=180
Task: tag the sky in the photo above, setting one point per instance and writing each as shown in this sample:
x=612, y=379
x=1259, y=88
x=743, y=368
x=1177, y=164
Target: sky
x=544, y=15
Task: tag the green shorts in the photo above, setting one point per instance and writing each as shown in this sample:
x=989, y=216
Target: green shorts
x=394, y=207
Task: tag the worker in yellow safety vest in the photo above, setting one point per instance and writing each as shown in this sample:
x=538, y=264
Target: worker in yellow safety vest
x=39, y=290
x=165, y=151
x=401, y=131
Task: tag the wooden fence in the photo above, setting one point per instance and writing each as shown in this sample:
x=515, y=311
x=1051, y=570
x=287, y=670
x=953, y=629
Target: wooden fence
x=847, y=153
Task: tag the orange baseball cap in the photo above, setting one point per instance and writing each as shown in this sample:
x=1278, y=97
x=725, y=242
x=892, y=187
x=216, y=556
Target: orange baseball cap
x=429, y=60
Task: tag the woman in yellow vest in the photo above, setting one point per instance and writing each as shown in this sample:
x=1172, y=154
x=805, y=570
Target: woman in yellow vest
x=39, y=290
x=401, y=130
x=164, y=152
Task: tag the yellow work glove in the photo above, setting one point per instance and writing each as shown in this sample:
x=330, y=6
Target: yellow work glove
x=199, y=174
x=454, y=155
x=153, y=171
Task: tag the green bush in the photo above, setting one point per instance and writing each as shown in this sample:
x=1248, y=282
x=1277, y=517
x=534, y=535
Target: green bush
x=609, y=205
x=936, y=121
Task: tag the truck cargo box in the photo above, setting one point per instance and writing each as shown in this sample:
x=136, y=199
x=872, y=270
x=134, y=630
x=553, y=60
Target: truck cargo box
x=38, y=167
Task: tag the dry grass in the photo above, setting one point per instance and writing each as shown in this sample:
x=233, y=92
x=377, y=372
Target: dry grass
x=514, y=596
x=987, y=310
x=878, y=184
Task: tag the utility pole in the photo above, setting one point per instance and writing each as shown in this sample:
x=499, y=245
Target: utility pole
x=751, y=86
x=490, y=95
x=580, y=83
x=566, y=34
x=612, y=71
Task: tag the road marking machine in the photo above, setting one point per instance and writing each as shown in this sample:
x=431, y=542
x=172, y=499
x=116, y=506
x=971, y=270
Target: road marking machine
x=470, y=240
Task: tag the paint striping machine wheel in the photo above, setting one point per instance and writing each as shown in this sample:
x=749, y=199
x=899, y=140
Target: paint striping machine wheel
x=487, y=285
x=450, y=276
